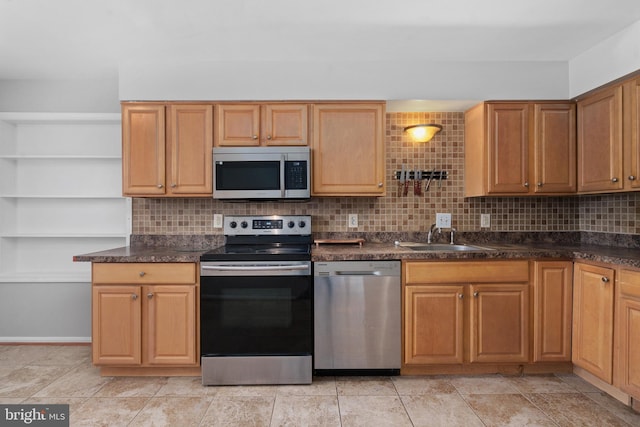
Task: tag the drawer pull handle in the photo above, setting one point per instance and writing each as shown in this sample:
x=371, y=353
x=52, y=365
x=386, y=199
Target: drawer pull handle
x=605, y=279
x=142, y=273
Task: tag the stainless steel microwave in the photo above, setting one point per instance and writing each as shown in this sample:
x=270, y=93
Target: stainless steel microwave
x=261, y=173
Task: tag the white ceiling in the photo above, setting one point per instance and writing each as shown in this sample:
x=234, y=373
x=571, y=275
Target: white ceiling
x=91, y=38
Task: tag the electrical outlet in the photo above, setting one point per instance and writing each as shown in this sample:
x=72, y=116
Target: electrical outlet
x=443, y=220
x=352, y=221
x=485, y=220
x=217, y=221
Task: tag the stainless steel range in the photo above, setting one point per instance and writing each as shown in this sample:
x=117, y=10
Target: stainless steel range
x=256, y=303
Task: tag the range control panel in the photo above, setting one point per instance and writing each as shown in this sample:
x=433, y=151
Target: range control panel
x=238, y=225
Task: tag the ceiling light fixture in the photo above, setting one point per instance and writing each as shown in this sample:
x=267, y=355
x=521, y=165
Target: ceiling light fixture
x=423, y=132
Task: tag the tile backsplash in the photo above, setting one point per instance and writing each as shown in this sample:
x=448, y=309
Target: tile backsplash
x=616, y=213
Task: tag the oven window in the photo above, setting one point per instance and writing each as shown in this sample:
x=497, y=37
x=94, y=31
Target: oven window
x=248, y=175
x=251, y=315
x=256, y=308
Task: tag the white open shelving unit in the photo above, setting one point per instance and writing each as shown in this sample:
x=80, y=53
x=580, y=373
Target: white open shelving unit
x=60, y=195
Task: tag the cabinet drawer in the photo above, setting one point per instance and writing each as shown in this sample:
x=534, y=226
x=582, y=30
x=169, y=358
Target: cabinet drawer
x=466, y=271
x=143, y=273
x=629, y=283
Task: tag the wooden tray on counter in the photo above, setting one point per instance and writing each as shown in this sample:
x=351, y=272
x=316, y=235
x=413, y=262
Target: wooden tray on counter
x=318, y=242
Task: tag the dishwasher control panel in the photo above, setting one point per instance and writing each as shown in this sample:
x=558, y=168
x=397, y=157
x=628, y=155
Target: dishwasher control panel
x=357, y=268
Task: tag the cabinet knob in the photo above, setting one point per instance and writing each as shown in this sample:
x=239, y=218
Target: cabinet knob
x=150, y=295
x=614, y=179
x=268, y=136
x=174, y=185
x=255, y=137
x=539, y=184
x=526, y=184
x=380, y=185
x=134, y=297
x=460, y=296
x=142, y=273
x=476, y=293
x=632, y=177
x=160, y=186
x=605, y=279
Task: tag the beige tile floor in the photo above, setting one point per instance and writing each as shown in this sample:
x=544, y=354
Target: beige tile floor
x=63, y=374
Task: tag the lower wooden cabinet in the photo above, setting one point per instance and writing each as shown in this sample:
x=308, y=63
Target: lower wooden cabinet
x=628, y=320
x=499, y=322
x=552, y=311
x=593, y=305
x=144, y=314
x=434, y=324
x=466, y=312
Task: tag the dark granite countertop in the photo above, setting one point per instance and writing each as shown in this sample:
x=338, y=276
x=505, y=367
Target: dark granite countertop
x=189, y=250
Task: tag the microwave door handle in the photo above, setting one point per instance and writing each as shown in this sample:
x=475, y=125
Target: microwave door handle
x=283, y=159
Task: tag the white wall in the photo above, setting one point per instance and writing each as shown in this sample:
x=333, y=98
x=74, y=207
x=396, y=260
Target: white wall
x=76, y=96
x=387, y=80
x=609, y=60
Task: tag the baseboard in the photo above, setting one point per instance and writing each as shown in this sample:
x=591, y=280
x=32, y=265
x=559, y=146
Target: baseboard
x=612, y=391
x=45, y=340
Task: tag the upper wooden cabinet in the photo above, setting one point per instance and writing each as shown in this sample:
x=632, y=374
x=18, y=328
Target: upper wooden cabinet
x=520, y=148
x=348, y=153
x=609, y=139
x=166, y=150
x=143, y=150
x=261, y=124
x=631, y=133
x=600, y=141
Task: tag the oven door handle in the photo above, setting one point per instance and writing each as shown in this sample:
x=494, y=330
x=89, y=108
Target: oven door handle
x=255, y=267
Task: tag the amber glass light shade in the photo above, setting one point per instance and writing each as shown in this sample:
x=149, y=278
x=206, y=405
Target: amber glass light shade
x=423, y=132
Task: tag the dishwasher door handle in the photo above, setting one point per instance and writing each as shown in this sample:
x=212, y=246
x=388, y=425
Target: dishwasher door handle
x=358, y=273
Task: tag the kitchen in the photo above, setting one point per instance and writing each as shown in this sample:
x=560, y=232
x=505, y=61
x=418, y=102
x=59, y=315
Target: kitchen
x=184, y=217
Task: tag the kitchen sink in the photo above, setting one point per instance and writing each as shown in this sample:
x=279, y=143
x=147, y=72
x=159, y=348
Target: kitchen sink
x=443, y=247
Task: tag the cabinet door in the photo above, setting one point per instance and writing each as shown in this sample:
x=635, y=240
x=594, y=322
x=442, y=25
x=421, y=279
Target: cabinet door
x=348, y=150
x=600, y=141
x=237, y=125
x=499, y=316
x=433, y=324
x=593, y=293
x=629, y=332
x=632, y=133
x=170, y=324
x=190, y=144
x=555, y=148
x=552, y=303
x=285, y=124
x=508, y=145
x=116, y=325
x=143, y=150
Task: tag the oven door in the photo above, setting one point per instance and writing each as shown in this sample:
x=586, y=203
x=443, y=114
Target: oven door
x=256, y=309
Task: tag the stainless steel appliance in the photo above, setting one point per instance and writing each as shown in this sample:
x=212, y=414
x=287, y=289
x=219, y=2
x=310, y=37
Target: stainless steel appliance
x=261, y=173
x=357, y=312
x=256, y=303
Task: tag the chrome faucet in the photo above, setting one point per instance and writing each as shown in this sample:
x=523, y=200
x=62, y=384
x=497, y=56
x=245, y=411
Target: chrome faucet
x=453, y=230
x=432, y=231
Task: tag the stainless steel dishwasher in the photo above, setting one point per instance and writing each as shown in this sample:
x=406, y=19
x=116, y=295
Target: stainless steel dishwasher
x=357, y=312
